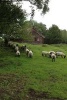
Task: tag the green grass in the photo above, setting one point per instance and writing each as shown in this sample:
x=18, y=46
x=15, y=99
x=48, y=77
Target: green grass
x=36, y=78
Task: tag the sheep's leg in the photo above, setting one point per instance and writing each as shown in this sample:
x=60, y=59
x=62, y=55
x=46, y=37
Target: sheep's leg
x=42, y=54
x=52, y=59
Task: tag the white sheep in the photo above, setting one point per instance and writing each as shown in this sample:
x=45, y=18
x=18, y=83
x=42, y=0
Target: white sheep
x=14, y=45
x=30, y=54
x=17, y=53
x=27, y=51
x=50, y=52
x=10, y=43
x=16, y=48
x=45, y=53
x=53, y=56
x=60, y=54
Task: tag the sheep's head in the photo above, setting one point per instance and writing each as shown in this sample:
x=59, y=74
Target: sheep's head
x=64, y=56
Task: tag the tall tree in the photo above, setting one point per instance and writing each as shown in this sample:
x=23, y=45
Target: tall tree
x=64, y=36
x=26, y=31
x=9, y=14
x=54, y=35
x=10, y=17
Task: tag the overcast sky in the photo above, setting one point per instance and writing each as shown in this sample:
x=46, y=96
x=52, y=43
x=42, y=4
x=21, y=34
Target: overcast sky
x=57, y=14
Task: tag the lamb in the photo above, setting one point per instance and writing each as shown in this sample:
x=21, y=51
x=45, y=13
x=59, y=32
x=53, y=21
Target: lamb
x=17, y=53
x=53, y=56
x=30, y=54
x=58, y=53
x=45, y=53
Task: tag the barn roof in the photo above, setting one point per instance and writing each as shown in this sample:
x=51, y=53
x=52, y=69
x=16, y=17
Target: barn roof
x=34, y=30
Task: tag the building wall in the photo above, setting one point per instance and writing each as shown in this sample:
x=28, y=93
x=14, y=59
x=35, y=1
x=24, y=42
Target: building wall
x=37, y=38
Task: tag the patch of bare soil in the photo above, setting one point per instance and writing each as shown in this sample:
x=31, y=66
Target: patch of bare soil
x=11, y=87
x=38, y=95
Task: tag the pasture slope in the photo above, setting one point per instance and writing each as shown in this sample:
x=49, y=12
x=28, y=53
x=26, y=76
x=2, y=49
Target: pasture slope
x=37, y=78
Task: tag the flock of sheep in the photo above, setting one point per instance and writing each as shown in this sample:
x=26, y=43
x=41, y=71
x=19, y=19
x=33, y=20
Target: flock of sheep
x=29, y=53
x=53, y=54
x=17, y=49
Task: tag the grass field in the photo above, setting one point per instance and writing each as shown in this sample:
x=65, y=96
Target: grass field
x=37, y=78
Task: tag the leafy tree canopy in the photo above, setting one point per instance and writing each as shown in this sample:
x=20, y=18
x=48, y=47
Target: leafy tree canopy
x=64, y=36
x=40, y=4
x=9, y=14
x=54, y=34
x=40, y=27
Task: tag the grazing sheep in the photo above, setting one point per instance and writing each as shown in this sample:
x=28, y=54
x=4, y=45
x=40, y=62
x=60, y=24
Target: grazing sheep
x=45, y=53
x=17, y=53
x=16, y=48
x=27, y=51
x=14, y=45
x=30, y=54
x=50, y=52
x=10, y=43
x=53, y=56
x=60, y=54
x=23, y=47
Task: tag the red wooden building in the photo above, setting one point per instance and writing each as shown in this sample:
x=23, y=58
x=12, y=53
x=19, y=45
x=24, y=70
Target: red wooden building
x=38, y=38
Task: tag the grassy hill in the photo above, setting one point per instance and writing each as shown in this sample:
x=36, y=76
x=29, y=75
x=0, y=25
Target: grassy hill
x=37, y=78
